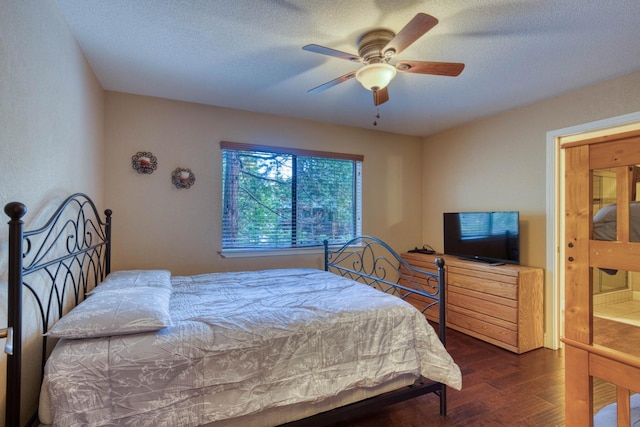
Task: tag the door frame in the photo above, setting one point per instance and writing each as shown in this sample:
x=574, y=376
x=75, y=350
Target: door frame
x=555, y=208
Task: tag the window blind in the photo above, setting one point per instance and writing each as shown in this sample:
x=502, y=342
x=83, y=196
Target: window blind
x=282, y=198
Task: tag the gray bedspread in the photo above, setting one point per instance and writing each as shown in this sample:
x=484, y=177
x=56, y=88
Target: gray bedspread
x=605, y=223
x=242, y=342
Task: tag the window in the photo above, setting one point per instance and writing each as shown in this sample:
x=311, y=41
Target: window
x=284, y=198
x=475, y=225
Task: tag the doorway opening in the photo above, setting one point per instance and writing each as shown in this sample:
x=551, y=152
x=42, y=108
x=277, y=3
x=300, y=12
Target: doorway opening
x=555, y=210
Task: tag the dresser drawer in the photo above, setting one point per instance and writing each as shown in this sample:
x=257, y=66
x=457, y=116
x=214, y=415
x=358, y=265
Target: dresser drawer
x=421, y=302
x=481, y=328
x=500, y=308
x=485, y=286
x=484, y=318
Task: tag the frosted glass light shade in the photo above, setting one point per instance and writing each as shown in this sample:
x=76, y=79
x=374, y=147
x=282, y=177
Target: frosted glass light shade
x=375, y=76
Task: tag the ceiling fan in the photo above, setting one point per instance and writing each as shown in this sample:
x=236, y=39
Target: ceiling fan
x=376, y=48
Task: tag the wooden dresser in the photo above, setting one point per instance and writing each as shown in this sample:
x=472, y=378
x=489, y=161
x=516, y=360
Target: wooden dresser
x=501, y=304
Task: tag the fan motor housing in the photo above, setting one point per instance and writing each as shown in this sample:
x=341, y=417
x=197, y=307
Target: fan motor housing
x=370, y=45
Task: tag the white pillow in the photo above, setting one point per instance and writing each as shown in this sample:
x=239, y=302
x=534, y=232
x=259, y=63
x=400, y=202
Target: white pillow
x=134, y=278
x=116, y=312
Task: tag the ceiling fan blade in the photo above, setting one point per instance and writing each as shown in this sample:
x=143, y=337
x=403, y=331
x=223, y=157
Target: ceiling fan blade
x=451, y=69
x=333, y=82
x=416, y=28
x=380, y=96
x=331, y=52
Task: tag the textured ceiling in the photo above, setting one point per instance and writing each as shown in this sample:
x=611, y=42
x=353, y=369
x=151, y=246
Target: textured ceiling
x=248, y=55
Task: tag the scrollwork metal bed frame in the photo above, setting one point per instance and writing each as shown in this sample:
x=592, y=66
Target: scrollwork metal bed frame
x=71, y=255
x=72, y=252
x=376, y=264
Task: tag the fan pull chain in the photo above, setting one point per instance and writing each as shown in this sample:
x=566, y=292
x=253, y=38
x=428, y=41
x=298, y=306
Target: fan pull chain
x=375, y=122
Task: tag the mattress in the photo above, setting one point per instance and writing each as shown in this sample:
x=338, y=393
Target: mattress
x=269, y=417
x=245, y=344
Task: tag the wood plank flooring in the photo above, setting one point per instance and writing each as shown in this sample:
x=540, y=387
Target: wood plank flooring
x=500, y=388
x=616, y=335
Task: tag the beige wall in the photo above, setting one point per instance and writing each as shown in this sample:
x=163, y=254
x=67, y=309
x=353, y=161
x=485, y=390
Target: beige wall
x=159, y=226
x=498, y=163
x=51, y=131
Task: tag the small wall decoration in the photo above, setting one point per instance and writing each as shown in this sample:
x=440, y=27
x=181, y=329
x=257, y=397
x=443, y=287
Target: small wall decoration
x=144, y=162
x=183, y=178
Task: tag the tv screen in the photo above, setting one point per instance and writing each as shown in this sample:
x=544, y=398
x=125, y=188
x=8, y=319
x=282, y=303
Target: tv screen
x=492, y=237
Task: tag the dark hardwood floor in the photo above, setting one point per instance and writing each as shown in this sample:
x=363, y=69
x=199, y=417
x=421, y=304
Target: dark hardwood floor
x=500, y=388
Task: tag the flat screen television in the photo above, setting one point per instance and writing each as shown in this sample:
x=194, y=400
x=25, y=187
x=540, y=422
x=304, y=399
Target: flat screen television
x=491, y=237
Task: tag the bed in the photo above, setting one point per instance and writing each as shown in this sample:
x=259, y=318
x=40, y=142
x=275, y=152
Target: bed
x=605, y=225
x=587, y=355
x=282, y=346
x=605, y=222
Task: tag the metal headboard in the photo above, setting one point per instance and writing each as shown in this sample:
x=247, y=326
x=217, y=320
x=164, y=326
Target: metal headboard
x=371, y=261
x=57, y=264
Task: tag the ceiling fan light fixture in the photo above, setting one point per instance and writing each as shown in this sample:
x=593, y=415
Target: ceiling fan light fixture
x=376, y=76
